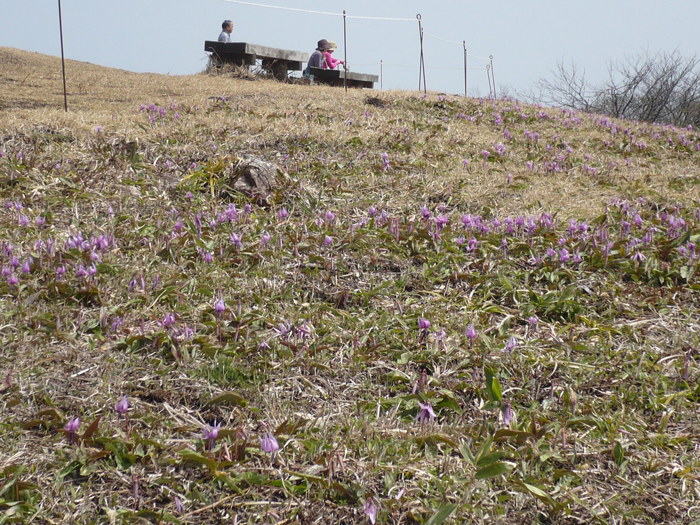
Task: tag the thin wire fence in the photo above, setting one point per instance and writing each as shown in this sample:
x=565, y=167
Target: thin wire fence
x=386, y=64
x=326, y=13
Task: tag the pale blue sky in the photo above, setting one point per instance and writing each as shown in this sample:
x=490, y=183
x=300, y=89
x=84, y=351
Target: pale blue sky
x=525, y=38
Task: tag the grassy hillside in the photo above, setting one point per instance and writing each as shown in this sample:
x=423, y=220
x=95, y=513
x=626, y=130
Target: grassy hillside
x=457, y=310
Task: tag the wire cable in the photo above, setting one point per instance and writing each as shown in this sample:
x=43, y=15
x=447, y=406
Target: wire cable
x=387, y=64
x=456, y=43
x=320, y=12
x=443, y=39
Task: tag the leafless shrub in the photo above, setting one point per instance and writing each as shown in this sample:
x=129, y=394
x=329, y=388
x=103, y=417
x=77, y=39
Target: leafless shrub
x=664, y=88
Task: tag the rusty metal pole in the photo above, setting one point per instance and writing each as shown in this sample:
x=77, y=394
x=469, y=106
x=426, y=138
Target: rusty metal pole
x=421, y=69
x=63, y=59
x=464, y=45
x=345, y=51
x=488, y=76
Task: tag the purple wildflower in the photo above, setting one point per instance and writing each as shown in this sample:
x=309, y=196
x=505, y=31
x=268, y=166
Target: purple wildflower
x=507, y=413
x=72, y=427
x=283, y=330
x=638, y=257
x=268, y=443
x=471, y=333
x=210, y=434
x=116, y=323
x=236, y=240
x=122, y=406
x=168, y=320
x=426, y=413
x=385, y=161
x=219, y=306
x=370, y=509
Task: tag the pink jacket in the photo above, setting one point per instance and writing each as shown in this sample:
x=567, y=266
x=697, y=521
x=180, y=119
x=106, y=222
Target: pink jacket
x=329, y=62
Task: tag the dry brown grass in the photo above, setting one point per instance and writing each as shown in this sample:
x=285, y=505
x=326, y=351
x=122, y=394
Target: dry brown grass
x=31, y=92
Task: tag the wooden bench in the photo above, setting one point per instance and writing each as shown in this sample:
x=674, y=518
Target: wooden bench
x=335, y=77
x=278, y=61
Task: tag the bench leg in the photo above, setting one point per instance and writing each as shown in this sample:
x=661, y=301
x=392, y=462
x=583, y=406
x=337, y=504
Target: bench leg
x=278, y=68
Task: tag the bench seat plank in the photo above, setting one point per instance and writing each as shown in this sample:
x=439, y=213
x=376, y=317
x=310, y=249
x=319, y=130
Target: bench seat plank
x=245, y=48
x=335, y=77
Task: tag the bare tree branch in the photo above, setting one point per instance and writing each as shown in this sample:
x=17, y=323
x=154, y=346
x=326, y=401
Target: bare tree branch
x=663, y=88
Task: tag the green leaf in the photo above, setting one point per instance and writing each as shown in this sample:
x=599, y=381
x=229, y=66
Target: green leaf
x=506, y=434
x=442, y=514
x=437, y=438
x=10, y=483
x=73, y=466
x=537, y=492
x=485, y=448
x=496, y=390
x=493, y=470
x=191, y=455
x=618, y=453
x=227, y=398
x=493, y=387
x=507, y=283
x=307, y=477
x=91, y=429
x=149, y=515
x=345, y=492
x=32, y=423
x=487, y=459
x=467, y=453
x=230, y=482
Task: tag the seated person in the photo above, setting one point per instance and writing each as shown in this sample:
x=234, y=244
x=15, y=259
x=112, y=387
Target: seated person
x=328, y=61
x=227, y=29
x=316, y=58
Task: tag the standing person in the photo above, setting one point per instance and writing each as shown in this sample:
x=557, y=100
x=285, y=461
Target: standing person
x=328, y=61
x=227, y=29
x=316, y=58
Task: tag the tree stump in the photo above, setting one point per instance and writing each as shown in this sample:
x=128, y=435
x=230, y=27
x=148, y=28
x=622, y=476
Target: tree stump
x=253, y=177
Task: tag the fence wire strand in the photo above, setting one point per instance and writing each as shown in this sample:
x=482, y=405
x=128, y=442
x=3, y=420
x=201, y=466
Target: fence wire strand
x=456, y=43
x=443, y=39
x=320, y=12
x=386, y=64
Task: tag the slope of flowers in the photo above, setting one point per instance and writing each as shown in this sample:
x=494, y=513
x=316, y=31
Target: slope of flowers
x=468, y=310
